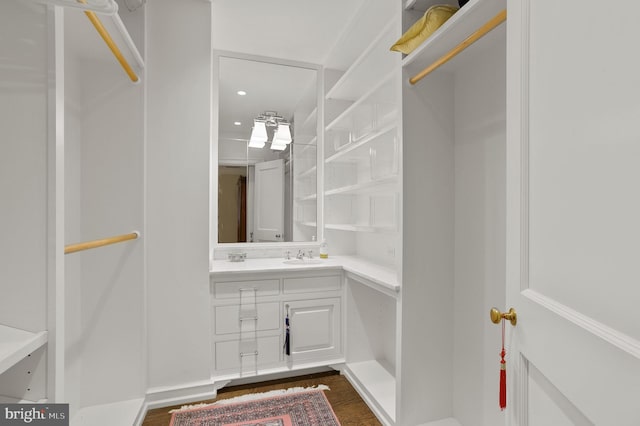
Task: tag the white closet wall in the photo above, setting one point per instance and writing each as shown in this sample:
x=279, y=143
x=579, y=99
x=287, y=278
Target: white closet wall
x=479, y=253
x=24, y=203
x=105, y=298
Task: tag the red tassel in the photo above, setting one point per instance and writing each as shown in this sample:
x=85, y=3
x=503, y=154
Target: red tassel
x=503, y=374
x=503, y=382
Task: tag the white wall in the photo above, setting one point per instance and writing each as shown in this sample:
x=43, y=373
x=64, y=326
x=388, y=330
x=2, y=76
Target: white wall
x=23, y=165
x=112, y=151
x=177, y=235
x=427, y=253
x=73, y=232
x=480, y=140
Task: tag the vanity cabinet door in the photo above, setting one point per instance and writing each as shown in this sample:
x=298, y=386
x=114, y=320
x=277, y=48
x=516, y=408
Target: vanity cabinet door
x=314, y=328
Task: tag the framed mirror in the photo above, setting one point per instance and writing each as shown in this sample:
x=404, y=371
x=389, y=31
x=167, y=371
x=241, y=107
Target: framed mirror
x=267, y=150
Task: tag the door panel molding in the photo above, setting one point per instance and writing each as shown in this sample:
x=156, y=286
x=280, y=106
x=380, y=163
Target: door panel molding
x=524, y=141
x=620, y=340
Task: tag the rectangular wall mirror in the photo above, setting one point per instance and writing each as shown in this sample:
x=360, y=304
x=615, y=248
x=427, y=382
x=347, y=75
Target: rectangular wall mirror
x=267, y=140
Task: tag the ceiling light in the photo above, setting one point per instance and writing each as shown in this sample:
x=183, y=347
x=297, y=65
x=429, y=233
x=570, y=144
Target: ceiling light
x=237, y=123
x=241, y=92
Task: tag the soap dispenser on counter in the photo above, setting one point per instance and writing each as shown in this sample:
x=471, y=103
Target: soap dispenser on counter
x=324, y=249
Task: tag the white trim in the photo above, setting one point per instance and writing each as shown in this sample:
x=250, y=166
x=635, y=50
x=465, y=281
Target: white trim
x=181, y=394
x=524, y=147
x=620, y=340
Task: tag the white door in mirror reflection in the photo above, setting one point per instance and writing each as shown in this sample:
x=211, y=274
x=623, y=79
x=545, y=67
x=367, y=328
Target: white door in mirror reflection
x=269, y=201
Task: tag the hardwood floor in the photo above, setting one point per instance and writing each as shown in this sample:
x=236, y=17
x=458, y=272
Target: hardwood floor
x=345, y=401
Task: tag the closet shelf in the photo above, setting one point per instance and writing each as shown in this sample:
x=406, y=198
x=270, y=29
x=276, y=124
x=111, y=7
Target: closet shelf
x=376, y=384
x=453, y=32
x=309, y=224
x=307, y=173
x=311, y=118
x=365, y=96
x=366, y=69
x=360, y=228
x=378, y=185
x=343, y=153
x=16, y=344
x=307, y=198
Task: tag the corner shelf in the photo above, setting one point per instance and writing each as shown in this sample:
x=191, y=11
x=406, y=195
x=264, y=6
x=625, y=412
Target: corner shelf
x=376, y=385
x=307, y=173
x=342, y=154
x=455, y=30
x=16, y=344
x=377, y=185
x=360, y=228
x=307, y=198
x=359, y=78
x=309, y=224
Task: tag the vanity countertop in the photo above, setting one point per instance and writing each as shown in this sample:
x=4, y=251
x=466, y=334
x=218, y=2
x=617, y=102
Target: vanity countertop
x=380, y=275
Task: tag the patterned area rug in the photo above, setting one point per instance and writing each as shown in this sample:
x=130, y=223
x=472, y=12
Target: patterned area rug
x=309, y=408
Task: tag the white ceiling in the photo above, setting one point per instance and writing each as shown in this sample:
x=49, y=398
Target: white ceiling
x=300, y=30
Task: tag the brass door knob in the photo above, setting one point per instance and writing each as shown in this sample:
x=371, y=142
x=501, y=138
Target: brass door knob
x=497, y=316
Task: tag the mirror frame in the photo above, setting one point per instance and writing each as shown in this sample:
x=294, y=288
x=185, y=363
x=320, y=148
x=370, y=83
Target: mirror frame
x=214, y=245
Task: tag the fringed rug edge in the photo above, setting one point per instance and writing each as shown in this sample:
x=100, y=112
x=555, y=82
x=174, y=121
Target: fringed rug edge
x=251, y=397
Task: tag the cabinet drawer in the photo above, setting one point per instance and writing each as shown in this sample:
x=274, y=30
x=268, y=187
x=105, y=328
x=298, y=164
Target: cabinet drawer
x=231, y=289
x=228, y=355
x=311, y=284
x=228, y=318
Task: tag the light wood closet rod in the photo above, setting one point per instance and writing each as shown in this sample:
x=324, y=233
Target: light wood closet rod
x=478, y=34
x=72, y=248
x=97, y=23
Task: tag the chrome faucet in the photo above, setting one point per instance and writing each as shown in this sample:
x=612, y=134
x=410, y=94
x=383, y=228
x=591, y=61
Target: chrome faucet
x=300, y=255
x=310, y=254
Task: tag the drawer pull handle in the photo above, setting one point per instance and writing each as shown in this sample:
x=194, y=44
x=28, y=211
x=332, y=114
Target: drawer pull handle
x=243, y=354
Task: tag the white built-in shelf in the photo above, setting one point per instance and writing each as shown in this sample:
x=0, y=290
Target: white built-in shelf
x=376, y=386
x=311, y=118
x=359, y=228
x=127, y=412
x=9, y=400
x=309, y=224
x=348, y=152
x=16, y=344
x=307, y=198
x=378, y=185
x=375, y=62
x=457, y=28
x=311, y=172
x=365, y=97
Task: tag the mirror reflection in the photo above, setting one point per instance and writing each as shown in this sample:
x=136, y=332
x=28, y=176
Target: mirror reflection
x=266, y=152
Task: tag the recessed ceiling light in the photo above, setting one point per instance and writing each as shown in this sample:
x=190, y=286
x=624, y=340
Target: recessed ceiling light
x=241, y=92
x=237, y=123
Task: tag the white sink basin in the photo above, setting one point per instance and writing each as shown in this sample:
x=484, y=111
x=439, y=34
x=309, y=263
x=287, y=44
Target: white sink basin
x=302, y=261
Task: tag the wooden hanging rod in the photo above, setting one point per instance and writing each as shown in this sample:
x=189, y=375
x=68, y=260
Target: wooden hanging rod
x=97, y=23
x=72, y=248
x=478, y=34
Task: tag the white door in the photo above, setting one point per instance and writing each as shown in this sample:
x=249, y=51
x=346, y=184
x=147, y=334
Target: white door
x=573, y=212
x=269, y=201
